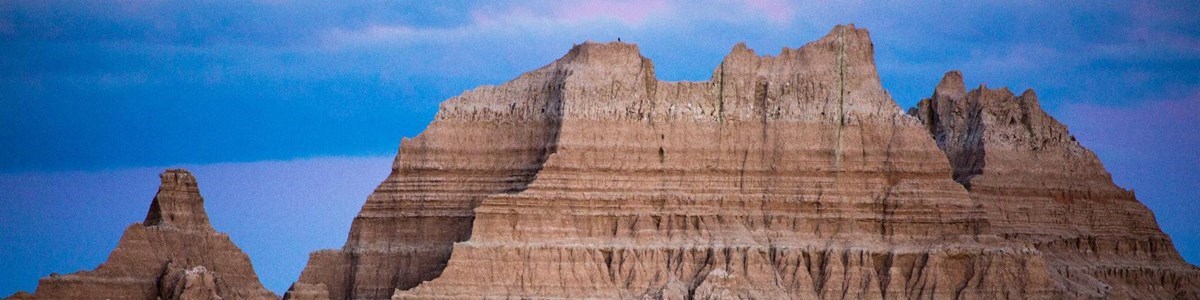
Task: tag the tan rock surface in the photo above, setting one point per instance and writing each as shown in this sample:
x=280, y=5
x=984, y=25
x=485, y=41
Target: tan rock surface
x=304, y=291
x=782, y=177
x=1038, y=184
x=789, y=176
x=20, y=296
x=173, y=254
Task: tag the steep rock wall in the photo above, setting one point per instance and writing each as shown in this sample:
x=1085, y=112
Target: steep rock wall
x=492, y=140
x=781, y=177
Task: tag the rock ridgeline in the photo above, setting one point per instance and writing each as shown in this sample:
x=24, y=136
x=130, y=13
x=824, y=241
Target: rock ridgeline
x=1041, y=186
x=781, y=177
x=789, y=176
x=173, y=254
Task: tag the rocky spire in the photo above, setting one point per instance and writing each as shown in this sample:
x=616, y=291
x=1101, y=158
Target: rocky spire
x=951, y=84
x=178, y=202
x=174, y=254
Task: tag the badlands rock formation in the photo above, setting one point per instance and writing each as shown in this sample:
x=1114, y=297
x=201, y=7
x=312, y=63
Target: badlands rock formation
x=782, y=177
x=789, y=176
x=1039, y=185
x=173, y=254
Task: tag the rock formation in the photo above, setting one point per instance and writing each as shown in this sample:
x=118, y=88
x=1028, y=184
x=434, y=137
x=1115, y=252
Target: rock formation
x=789, y=176
x=781, y=177
x=1039, y=185
x=304, y=291
x=173, y=254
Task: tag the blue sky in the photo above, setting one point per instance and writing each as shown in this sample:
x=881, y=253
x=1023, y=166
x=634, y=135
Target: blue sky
x=97, y=96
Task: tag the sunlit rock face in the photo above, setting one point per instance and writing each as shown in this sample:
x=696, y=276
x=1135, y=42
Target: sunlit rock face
x=788, y=176
x=1039, y=185
x=792, y=176
x=173, y=254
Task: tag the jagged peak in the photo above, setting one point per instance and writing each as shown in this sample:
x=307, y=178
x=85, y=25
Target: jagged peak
x=847, y=26
x=1014, y=121
x=992, y=98
x=843, y=44
x=1029, y=96
x=742, y=49
x=178, y=202
x=951, y=84
x=841, y=35
x=855, y=41
x=178, y=178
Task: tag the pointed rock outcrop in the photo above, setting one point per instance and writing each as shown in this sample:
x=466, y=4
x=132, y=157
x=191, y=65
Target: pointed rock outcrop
x=173, y=254
x=1039, y=185
x=178, y=203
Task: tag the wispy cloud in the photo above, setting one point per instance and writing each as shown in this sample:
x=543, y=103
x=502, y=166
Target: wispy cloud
x=632, y=12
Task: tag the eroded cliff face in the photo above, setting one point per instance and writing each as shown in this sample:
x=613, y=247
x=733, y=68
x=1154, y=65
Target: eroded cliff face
x=492, y=140
x=782, y=177
x=789, y=176
x=173, y=254
x=1039, y=185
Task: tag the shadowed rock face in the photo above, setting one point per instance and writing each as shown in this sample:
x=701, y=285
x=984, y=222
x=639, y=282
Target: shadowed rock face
x=1039, y=185
x=174, y=254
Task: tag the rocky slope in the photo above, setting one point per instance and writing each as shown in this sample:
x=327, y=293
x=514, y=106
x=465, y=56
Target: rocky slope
x=173, y=254
x=1039, y=185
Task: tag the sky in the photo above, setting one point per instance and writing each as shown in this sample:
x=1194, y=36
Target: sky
x=289, y=112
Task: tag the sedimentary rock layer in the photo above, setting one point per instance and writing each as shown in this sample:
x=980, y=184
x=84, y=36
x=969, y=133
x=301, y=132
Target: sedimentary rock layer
x=492, y=140
x=1039, y=185
x=173, y=254
x=792, y=176
x=782, y=176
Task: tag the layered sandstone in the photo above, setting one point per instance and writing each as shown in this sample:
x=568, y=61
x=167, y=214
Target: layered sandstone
x=173, y=254
x=789, y=176
x=405, y=231
x=1040, y=185
x=792, y=176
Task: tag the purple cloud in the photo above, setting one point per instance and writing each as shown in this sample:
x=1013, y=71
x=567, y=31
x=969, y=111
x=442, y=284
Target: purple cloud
x=1147, y=129
x=777, y=11
x=632, y=12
